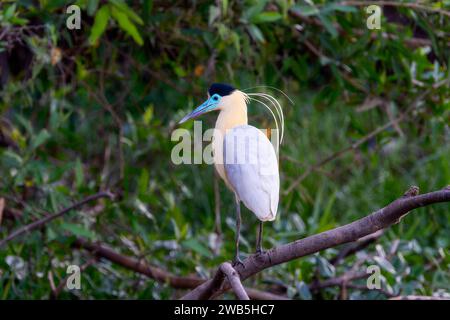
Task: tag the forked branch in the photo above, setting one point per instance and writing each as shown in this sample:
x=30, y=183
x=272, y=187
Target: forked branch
x=378, y=220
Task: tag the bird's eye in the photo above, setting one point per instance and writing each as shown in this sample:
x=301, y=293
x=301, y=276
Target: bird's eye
x=215, y=98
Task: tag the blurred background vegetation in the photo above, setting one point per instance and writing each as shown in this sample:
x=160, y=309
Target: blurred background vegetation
x=93, y=109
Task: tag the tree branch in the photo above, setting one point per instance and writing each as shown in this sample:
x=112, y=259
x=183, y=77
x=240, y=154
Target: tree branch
x=380, y=219
x=41, y=222
x=163, y=276
x=138, y=265
x=234, y=280
x=356, y=246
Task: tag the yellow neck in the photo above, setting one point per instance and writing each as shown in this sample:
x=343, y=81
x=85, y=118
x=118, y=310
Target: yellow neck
x=233, y=113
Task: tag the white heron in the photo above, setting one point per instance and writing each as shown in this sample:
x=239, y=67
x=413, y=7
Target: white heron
x=243, y=156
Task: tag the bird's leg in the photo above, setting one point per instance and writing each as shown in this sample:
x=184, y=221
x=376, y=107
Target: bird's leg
x=236, y=259
x=259, y=248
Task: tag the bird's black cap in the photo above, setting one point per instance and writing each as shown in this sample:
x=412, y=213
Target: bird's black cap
x=221, y=89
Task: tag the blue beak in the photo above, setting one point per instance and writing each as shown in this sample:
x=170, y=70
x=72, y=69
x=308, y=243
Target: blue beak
x=207, y=106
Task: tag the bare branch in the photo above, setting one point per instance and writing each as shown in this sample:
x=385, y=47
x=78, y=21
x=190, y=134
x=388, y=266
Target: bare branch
x=338, y=281
x=375, y=221
x=163, y=276
x=138, y=265
x=2, y=207
x=234, y=280
x=57, y=290
x=356, y=246
x=42, y=222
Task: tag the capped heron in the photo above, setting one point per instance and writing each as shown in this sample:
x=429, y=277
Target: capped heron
x=244, y=157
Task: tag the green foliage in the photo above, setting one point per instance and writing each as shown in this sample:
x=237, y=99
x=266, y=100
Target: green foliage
x=94, y=109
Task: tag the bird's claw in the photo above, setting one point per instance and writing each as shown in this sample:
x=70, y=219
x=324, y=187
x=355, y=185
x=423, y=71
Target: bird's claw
x=260, y=251
x=237, y=261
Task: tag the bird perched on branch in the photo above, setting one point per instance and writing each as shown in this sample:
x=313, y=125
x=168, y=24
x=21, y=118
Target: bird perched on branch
x=244, y=157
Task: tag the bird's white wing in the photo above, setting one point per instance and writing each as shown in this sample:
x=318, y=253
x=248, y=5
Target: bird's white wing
x=251, y=167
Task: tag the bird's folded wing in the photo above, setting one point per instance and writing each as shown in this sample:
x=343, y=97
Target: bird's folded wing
x=251, y=167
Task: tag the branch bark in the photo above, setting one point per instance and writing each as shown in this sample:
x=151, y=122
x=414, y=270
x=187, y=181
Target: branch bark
x=234, y=280
x=378, y=220
x=356, y=246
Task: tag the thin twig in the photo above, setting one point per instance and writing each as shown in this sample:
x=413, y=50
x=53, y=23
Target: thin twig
x=234, y=280
x=338, y=281
x=356, y=246
x=41, y=222
x=138, y=265
x=55, y=292
x=2, y=207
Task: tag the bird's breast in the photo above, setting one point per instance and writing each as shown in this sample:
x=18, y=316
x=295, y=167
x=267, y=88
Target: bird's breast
x=217, y=147
x=227, y=120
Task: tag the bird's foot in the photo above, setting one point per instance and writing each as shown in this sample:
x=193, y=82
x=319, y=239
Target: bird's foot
x=237, y=261
x=260, y=251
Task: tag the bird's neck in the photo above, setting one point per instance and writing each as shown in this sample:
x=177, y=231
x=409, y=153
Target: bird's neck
x=233, y=113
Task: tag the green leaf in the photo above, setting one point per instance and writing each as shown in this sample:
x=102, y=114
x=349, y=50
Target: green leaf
x=124, y=8
x=147, y=9
x=197, y=246
x=303, y=290
x=92, y=7
x=256, y=33
x=326, y=216
x=143, y=182
x=179, y=71
x=385, y=264
x=224, y=6
x=265, y=17
x=305, y=10
x=254, y=10
x=100, y=23
x=328, y=24
x=41, y=138
x=236, y=41
x=11, y=159
x=78, y=230
x=337, y=7
x=326, y=269
x=126, y=25
x=79, y=175
x=19, y=21
x=148, y=115
x=9, y=13
x=214, y=13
